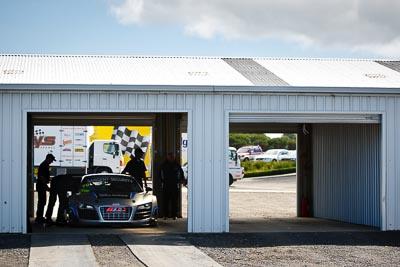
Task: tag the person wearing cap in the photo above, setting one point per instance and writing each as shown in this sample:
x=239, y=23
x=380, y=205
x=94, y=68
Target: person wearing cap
x=172, y=177
x=136, y=168
x=42, y=186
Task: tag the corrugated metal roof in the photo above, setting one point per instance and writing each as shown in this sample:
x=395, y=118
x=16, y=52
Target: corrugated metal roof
x=394, y=65
x=333, y=73
x=196, y=71
x=254, y=72
x=117, y=70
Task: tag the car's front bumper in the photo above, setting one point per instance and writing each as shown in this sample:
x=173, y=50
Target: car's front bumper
x=111, y=215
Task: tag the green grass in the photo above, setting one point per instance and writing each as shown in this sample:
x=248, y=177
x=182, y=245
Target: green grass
x=252, y=169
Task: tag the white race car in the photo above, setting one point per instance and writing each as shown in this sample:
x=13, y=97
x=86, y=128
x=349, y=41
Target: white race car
x=107, y=198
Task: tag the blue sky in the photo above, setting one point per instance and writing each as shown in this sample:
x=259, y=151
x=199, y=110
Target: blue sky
x=252, y=28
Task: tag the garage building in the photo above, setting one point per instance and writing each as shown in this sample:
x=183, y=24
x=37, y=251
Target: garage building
x=345, y=112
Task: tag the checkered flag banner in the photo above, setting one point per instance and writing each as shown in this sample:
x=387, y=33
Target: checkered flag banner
x=130, y=140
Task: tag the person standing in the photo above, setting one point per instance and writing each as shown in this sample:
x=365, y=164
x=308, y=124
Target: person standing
x=59, y=186
x=42, y=187
x=172, y=176
x=136, y=168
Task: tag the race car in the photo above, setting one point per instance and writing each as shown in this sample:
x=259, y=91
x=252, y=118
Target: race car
x=110, y=199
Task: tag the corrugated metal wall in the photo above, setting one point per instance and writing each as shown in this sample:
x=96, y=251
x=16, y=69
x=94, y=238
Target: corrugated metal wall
x=391, y=160
x=12, y=179
x=346, y=173
x=208, y=132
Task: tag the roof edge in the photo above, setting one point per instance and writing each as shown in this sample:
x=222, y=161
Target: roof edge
x=197, y=89
x=192, y=57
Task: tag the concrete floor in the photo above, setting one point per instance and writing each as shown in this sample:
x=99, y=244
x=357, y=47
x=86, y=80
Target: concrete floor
x=237, y=225
x=274, y=212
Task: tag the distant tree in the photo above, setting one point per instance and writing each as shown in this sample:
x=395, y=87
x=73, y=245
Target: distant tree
x=287, y=141
x=290, y=135
x=283, y=143
x=248, y=139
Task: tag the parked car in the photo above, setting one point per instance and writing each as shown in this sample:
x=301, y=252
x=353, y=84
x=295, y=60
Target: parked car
x=272, y=155
x=109, y=199
x=249, y=152
x=291, y=155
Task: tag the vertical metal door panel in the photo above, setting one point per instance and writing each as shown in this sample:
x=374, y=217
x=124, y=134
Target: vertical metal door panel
x=198, y=160
x=355, y=103
x=123, y=103
x=283, y=103
x=319, y=103
x=6, y=201
x=346, y=103
x=329, y=103
x=236, y=102
x=265, y=102
x=274, y=103
x=18, y=180
x=347, y=173
x=219, y=188
x=300, y=104
x=392, y=161
x=207, y=140
x=246, y=102
x=11, y=191
x=396, y=164
x=292, y=103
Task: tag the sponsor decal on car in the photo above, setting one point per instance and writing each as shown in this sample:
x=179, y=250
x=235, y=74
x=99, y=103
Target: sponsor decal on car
x=116, y=209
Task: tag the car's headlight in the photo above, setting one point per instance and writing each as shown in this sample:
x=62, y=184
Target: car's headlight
x=144, y=206
x=86, y=207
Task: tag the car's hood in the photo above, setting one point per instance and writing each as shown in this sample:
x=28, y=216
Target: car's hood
x=136, y=198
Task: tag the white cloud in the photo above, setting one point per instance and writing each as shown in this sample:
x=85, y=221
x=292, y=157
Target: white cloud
x=128, y=11
x=372, y=26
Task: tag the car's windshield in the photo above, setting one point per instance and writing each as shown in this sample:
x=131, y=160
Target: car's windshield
x=110, y=185
x=243, y=150
x=232, y=154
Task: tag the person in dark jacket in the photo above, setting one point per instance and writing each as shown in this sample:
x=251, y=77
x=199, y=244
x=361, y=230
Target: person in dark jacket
x=59, y=187
x=136, y=168
x=42, y=187
x=172, y=177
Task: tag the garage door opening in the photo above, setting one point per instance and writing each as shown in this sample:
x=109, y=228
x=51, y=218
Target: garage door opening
x=82, y=144
x=338, y=171
x=268, y=190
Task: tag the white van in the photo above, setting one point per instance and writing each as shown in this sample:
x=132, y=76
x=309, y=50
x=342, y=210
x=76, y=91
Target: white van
x=236, y=172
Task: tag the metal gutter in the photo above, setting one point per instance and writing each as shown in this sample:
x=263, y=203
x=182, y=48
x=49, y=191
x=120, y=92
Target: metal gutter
x=198, y=89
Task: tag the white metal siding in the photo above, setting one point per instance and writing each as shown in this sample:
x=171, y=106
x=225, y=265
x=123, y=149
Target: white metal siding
x=392, y=160
x=12, y=179
x=346, y=173
x=208, y=194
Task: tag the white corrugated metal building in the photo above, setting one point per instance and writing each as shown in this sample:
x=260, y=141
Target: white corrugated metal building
x=344, y=111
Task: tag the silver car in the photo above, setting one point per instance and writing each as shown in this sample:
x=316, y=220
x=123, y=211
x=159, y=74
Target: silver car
x=109, y=199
